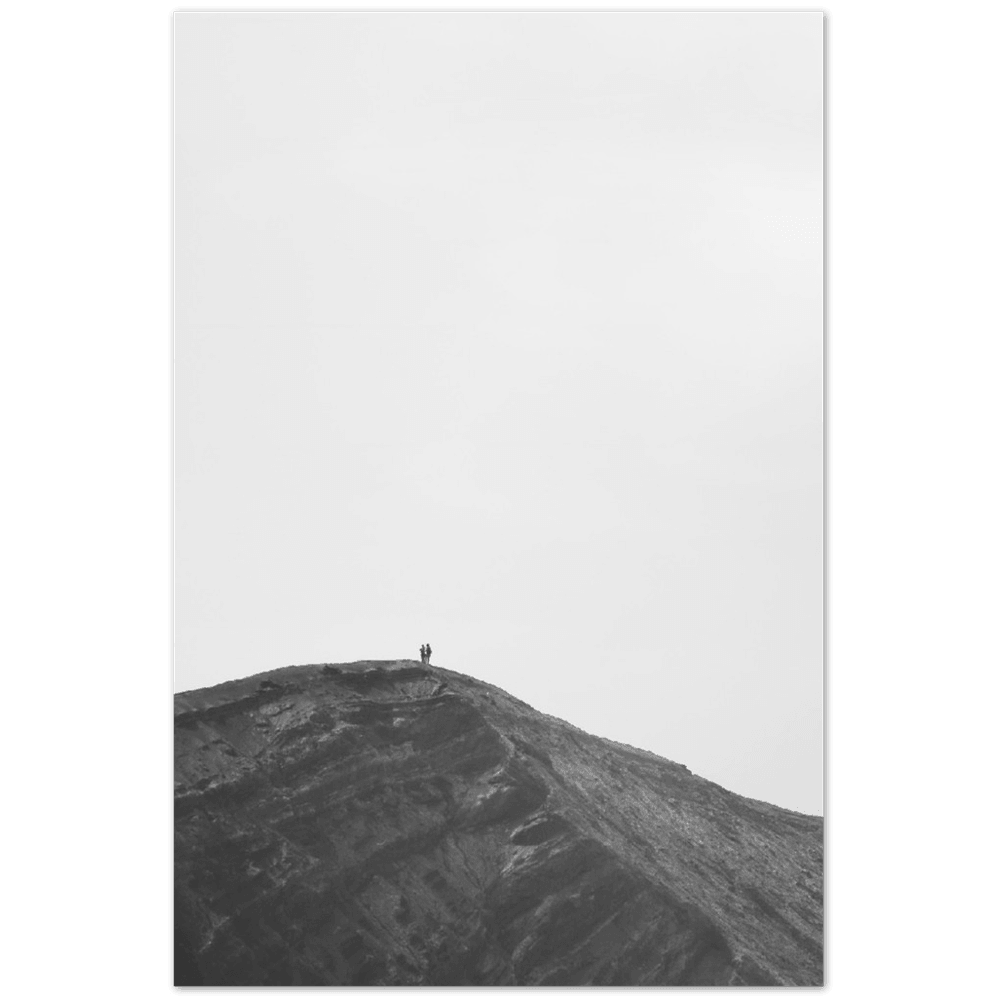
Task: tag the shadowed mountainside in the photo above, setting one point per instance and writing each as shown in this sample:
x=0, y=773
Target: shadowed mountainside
x=390, y=823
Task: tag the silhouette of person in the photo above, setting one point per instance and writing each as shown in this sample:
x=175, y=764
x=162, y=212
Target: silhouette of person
x=428, y=652
x=423, y=653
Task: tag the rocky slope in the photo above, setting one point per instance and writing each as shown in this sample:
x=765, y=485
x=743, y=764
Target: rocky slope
x=390, y=823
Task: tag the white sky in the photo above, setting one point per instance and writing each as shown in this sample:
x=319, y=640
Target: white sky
x=504, y=332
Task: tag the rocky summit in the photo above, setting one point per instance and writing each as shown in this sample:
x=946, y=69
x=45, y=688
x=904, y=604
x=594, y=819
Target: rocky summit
x=391, y=823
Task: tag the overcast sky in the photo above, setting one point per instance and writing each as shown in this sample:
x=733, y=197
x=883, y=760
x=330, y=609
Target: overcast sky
x=504, y=332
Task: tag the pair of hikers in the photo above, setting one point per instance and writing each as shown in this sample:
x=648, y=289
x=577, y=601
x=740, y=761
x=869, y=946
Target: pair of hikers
x=425, y=653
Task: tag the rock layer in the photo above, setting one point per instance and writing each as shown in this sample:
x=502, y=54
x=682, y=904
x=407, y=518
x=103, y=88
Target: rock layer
x=390, y=823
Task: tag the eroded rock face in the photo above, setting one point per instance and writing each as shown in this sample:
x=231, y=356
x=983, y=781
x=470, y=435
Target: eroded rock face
x=397, y=824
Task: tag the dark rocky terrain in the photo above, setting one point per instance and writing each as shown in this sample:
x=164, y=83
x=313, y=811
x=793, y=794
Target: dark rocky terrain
x=390, y=823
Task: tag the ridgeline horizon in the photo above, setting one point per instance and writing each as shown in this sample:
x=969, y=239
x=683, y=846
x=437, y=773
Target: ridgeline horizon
x=394, y=822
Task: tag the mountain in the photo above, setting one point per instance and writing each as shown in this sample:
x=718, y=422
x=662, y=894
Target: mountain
x=390, y=823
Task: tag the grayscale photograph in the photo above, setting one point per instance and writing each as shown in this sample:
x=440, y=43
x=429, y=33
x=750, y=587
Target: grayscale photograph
x=498, y=498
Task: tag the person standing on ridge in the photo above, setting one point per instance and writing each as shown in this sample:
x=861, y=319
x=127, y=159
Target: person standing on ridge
x=428, y=653
x=423, y=653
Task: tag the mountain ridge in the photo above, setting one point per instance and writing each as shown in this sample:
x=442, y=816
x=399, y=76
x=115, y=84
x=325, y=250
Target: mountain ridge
x=391, y=822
